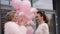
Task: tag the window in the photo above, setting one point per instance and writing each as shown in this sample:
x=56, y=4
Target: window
x=4, y=2
x=43, y=4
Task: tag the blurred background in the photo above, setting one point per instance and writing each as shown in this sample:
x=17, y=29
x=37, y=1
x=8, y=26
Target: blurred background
x=48, y=6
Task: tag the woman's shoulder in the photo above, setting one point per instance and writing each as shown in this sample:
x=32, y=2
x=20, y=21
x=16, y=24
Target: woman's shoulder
x=10, y=23
x=45, y=25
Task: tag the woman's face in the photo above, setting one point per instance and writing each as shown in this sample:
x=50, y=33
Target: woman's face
x=14, y=18
x=21, y=21
x=38, y=18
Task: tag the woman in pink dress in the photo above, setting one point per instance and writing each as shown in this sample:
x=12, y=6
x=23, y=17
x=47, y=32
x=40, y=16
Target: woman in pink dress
x=42, y=23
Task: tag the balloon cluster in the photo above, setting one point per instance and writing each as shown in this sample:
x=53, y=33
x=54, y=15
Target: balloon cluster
x=23, y=9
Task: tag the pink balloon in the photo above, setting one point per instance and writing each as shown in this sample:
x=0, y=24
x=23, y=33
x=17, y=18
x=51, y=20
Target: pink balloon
x=16, y=4
x=25, y=7
x=32, y=13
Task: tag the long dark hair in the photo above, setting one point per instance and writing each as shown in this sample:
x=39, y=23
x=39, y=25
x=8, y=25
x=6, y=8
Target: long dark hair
x=42, y=13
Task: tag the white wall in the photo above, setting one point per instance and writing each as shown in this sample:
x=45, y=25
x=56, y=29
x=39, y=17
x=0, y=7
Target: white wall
x=44, y=4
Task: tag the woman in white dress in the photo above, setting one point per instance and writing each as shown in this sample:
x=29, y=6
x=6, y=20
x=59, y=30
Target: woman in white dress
x=42, y=23
x=12, y=26
x=22, y=26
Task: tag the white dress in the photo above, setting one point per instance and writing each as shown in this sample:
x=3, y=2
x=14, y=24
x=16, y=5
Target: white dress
x=23, y=30
x=42, y=29
x=13, y=28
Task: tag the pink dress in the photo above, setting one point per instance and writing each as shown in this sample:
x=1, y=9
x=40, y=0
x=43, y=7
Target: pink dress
x=13, y=28
x=42, y=29
x=23, y=30
x=30, y=30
